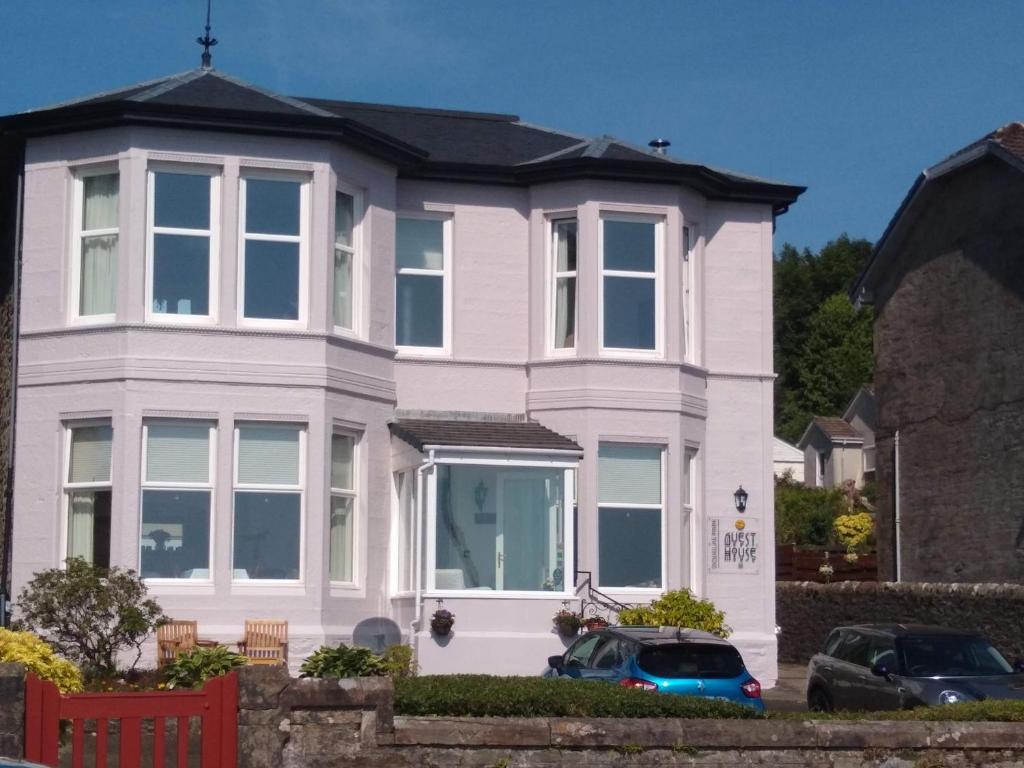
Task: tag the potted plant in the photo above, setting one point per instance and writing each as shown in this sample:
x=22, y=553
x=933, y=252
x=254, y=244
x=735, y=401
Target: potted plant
x=567, y=622
x=595, y=622
x=441, y=622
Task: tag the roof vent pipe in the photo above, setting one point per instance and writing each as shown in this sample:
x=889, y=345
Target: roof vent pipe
x=658, y=146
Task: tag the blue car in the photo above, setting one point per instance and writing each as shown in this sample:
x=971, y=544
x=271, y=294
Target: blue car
x=687, y=662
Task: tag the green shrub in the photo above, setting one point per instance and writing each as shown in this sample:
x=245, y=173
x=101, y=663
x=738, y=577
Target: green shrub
x=806, y=516
x=39, y=659
x=90, y=614
x=991, y=710
x=193, y=668
x=398, y=661
x=677, y=608
x=486, y=696
x=342, y=661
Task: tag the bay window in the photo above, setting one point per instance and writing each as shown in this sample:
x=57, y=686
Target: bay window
x=403, y=539
x=422, y=301
x=563, y=301
x=500, y=528
x=275, y=237
x=268, y=502
x=343, y=507
x=87, y=492
x=177, y=488
x=689, y=295
x=629, y=515
x=344, y=261
x=630, y=283
x=94, y=273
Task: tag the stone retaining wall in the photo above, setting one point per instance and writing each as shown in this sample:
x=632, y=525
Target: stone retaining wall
x=806, y=612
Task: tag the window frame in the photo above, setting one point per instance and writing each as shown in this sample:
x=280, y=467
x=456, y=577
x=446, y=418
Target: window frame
x=346, y=493
x=67, y=487
x=568, y=468
x=445, y=273
x=355, y=252
x=658, y=276
x=662, y=507
x=552, y=276
x=300, y=488
x=688, y=289
x=305, y=182
x=215, y=176
x=395, y=539
x=166, y=485
x=79, y=175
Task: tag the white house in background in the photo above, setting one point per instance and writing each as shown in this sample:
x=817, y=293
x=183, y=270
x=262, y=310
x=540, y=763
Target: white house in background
x=787, y=458
x=836, y=450
x=342, y=363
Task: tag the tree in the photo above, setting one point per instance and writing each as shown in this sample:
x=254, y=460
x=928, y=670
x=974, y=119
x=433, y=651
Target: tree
x=90, y=614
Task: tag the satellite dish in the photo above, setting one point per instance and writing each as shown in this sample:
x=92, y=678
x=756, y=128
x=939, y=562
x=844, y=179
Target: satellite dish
x=376, y=634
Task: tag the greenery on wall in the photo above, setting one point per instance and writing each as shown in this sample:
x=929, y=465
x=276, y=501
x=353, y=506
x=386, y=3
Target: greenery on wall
x=822, y=517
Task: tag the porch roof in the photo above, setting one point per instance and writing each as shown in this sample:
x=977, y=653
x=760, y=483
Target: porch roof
x=482, y=434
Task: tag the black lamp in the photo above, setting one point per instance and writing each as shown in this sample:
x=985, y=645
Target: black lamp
x=741, y=499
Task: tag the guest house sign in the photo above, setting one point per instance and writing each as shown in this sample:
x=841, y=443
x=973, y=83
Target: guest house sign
x=734, y=544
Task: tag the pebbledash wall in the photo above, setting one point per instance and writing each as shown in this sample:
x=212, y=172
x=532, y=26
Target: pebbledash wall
x=133, y=369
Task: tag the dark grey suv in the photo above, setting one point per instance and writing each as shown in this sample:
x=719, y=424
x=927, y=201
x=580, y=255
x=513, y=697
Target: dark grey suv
x=896, y=666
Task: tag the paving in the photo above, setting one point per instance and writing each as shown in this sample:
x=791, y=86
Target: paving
x=789, y=693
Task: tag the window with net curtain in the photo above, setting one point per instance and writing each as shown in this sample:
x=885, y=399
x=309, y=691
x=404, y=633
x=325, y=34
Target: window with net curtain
x=564, y=274
x=87, y=493
x=629, y=515
x=419, y=283
x=97, y=245
x=343, y=506
x=268, y=503
x=176, y=500
x=499, y=528
x=344, y=260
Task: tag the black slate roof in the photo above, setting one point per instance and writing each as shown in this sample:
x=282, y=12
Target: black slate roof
x=480, y=434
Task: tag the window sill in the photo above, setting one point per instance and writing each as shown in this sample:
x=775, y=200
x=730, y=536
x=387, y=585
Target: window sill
x=493, y=594
x=631, y=354
x=180, y=586
x=268, y=587
x=421, y=353
x=270, y=324
x=91, y=320
x=180, y=320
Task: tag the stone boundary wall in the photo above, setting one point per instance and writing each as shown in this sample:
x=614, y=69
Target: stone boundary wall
x=289, y=723
x=806, y=612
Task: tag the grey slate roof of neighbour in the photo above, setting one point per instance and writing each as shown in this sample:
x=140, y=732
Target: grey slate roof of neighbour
x=482, y=434
x=425, y=143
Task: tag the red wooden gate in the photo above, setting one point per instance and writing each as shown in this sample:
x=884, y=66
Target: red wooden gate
x=216, y=705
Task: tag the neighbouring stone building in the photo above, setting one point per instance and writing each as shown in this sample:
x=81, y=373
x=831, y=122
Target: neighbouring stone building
x=947, y=283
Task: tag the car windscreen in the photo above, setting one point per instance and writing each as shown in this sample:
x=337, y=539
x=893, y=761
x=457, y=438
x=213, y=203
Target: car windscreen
x=951, y=656
x=683, y=660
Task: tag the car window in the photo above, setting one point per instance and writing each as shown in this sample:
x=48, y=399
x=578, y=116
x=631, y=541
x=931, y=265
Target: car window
x=832, y=642
x=951, y=656
x=682, y=660
x=608, y=655
x=579, y=654
x=883, y=652
x=854, y=649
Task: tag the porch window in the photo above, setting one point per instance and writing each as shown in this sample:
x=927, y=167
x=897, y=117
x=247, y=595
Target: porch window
x=499, y=528
x=269, y=461
x=176, y=492
x=629, y=515
x=87, y=492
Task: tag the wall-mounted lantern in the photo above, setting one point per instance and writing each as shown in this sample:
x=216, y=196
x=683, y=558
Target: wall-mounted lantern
x=741, y=499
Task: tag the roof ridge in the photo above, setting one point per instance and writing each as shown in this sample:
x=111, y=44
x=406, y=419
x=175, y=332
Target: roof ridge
x=599, y=146
x=168, y=84
x=290, y=101
x=108, y=92
x=556, y=154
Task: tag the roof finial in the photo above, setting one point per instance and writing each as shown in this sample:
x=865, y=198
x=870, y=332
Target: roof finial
x=207, y=42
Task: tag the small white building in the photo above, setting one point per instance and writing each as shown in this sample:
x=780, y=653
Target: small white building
x=787, y=458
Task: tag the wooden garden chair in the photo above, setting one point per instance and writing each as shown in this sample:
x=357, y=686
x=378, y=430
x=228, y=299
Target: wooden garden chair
x=173, y=638
x=265, y=641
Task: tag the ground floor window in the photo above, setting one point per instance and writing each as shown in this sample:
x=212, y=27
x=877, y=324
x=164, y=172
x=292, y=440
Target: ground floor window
x=499, y=528
x=404, y=539
x=343, y=506
x=87, y=492
x=629, y=515
x=268, y=502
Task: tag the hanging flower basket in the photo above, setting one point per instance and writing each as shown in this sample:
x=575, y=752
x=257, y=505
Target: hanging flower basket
x=441, y=622
x=567, y=622
x=595, y=622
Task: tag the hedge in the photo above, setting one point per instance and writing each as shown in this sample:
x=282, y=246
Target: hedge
x=990, y=710
x=487, y=696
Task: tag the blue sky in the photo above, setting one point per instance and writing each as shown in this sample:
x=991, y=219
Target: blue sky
x=851, y=99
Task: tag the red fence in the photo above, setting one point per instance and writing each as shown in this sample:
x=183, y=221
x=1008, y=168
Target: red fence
x=794, y=564
x=216, y=706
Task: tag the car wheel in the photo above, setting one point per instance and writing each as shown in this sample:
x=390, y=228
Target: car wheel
x=819, y=701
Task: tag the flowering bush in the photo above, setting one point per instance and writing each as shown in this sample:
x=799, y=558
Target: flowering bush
x=855, y=531
x=567, y=622
x=678, y=608
x=39, y=659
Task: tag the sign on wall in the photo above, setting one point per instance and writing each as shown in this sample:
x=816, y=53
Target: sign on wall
x=734, y=544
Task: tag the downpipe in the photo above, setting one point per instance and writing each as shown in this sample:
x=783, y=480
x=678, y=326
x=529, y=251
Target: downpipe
x=421, y=507
x=896, y=505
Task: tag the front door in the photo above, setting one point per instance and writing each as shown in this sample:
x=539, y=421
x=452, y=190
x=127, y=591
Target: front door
x=522, y=557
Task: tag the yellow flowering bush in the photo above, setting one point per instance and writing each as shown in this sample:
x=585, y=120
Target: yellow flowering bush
x=854, y=531
x=40, y=659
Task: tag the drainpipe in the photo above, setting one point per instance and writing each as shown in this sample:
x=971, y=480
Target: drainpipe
x=896, y=503
x=421, y=507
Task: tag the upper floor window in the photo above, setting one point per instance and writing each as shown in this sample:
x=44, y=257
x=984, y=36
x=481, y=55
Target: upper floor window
x=275, y=239
x=177, y=490
x=422, y=291
x=182, y=270
x=94, y=274
x=87, y=492
x=563, y=302
x=344, y=260
x=630, y=283
x=343, y=507
x=688, y=291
